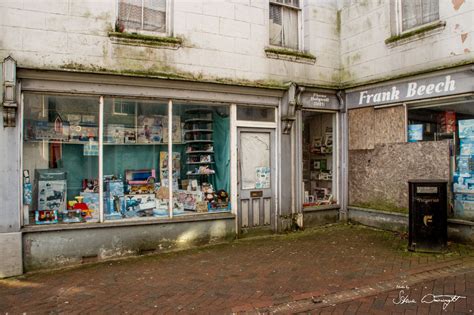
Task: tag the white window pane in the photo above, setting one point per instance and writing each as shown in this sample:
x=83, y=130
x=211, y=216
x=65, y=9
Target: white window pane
x=430, y=10
x=290, y=28
x=130, y=13
x=418, y=12
x=410, y=8
x=255, y=157
x=148, y=15
x=275, y=25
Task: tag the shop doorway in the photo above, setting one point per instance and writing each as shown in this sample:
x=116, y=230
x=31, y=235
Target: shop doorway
x=256, y=178
x=319, y=160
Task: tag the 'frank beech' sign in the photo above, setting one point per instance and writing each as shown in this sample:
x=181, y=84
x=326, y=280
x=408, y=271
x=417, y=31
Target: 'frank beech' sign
x=411, y=90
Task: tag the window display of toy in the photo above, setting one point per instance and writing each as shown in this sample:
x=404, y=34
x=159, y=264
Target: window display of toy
x=220, y=201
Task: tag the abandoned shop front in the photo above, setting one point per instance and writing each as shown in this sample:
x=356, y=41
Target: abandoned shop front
x=116, y=165
x=418, y=127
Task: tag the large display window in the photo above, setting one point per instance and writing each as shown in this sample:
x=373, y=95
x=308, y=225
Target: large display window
x=319, y=159
x=450, y=120
x=143, y=141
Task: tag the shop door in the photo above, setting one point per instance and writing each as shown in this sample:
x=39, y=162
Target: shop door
x=256, y=178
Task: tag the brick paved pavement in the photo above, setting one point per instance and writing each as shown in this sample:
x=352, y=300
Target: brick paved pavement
x=250, y=275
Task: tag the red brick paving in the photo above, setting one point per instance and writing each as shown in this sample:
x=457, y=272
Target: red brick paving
x=241, y=277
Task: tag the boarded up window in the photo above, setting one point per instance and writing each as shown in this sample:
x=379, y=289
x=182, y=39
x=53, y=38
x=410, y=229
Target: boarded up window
x=147, y=15
x=284, y=23
x=361, y=128
x=389, y=125
x=418, y=12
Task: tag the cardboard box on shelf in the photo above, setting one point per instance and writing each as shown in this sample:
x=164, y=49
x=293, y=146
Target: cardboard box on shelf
x=466, y=128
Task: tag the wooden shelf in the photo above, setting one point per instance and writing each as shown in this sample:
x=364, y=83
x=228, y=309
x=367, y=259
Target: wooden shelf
x=198, y=120
x=198, y=141
x=198, y=131
x=199, y=152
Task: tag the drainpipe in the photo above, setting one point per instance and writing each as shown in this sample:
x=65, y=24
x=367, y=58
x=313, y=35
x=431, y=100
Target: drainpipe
x=344, y=158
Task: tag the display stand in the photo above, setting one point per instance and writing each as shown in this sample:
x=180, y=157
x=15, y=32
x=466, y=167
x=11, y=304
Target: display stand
x=198, y=138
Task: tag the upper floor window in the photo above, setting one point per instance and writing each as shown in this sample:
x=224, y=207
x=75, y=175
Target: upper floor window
x=285, y=23
x=414, y=13
x=142, y=15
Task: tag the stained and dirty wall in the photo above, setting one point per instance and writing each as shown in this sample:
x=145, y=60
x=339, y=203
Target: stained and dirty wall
x=53, y=249
x=378, y=178
x=222, y=40
x=365, y=25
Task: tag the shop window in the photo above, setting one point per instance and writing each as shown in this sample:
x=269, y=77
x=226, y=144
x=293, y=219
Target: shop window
x=60, y=159
x=319, y=159
x=142, y=15
x=133, y=147
x=201, y=180
x=285, y=23
x=414, y=13
x=142, y=144
x=252, y=113
x=451, y=121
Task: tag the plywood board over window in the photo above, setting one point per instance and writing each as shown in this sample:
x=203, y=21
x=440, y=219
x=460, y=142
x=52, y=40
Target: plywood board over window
x=389, y=125
x=361, y=128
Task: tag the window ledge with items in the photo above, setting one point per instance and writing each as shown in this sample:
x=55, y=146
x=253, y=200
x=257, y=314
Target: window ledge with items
x=70, y=142
x=290, y=55
x=135, y=39
x=132, y=222
x=416, y=33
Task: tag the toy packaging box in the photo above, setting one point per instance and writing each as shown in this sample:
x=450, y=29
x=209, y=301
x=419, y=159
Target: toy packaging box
x=188, y=198
x=140, y=202
x=150, y=129
x=114, y=134
x=139, y=177
x=466, y=128
x=447, y=121
x=52, y=187
x=114, y=188
x=114, y=207
x=415, y=132
x=92, y=201
x=46, y=217
x=176, y=129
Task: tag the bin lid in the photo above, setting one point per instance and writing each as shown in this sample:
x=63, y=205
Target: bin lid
x=428, y=181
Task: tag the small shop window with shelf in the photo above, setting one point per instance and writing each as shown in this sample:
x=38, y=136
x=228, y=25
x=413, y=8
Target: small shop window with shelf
x=450, y=120
x=61, y=159
x=319, y=159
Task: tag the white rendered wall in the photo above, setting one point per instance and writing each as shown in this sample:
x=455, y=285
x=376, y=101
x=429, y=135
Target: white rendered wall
x=222, y=39
x=366, y=24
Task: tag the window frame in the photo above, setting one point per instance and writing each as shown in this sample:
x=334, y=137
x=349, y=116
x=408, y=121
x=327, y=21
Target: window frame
x=397, y=14
x=168, y=21
x=101, y=125
x=299, y=11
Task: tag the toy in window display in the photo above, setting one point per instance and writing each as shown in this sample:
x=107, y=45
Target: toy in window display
x=150, y=129
x=220, y=201
x=114, y=199
x=52, y=187
x=46, y=217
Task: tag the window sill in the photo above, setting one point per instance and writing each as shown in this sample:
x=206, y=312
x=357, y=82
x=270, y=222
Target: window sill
x=415, y=34
x=290, y=55
x=129, y=222
x=321, y=208
x=133, y=39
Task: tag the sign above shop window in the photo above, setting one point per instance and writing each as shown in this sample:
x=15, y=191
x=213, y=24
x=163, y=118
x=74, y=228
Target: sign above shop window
x=319, y=100
x=410, y=90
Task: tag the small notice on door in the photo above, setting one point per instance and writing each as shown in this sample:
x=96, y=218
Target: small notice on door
x=263, y=177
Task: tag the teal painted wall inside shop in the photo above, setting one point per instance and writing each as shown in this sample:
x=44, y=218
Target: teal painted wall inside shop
x=119, y=158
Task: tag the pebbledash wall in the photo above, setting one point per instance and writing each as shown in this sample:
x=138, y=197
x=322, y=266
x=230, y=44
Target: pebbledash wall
x=222, y=49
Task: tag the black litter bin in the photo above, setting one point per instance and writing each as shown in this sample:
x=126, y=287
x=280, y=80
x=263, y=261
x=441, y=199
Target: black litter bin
x=428, y=218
